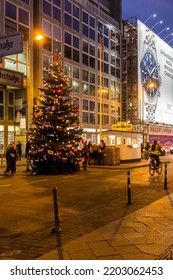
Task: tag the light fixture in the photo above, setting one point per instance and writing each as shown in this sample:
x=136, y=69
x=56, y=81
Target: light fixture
x=159, y=22
x=166, y=28
x=169, y=41
x=168, y=36
x=39, y=37
x=152, y=16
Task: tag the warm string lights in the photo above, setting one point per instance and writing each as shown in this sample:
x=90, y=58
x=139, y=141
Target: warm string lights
x=55, y=128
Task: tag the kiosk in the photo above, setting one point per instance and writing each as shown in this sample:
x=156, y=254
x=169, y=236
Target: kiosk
x=129, y=143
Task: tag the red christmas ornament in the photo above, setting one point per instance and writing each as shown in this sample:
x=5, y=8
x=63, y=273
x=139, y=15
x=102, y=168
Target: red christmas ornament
x=56, y=58
x=59, y=90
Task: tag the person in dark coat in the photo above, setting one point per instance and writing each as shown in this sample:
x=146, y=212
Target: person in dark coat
x=27, y=155
x=19, y=150
x=11, y=157
x=101, y=155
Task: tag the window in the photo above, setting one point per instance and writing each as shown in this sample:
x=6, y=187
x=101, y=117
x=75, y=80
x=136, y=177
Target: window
x=25, y=1
x=10, y=10
x=47, y=44
x=85, y=105
x=75, y=85
x=85, y=76
x=85, y=117
x=75, y=72
x=23, y=16
x=10, y=106
x=57, y=14
x=92, y=106
x=46, y=8
x=11, y=98
x=68, y=6
x=67, y=20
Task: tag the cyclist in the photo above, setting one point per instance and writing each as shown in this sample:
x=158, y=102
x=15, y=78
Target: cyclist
x=154, y=152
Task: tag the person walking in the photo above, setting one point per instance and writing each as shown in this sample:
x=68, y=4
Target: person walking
x=19, y=150
x=11, y=157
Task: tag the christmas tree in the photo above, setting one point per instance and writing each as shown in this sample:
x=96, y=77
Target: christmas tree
x=54, y=131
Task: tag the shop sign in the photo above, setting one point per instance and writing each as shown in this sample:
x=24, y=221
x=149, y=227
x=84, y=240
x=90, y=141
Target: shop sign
x=11, y=78
x=122, y=126
x=11, y=44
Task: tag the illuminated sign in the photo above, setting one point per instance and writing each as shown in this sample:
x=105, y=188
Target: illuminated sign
x=155, y=77
x=122, y=126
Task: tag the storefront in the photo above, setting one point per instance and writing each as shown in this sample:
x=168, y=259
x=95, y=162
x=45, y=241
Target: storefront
x=10, y=83
x=164, y=134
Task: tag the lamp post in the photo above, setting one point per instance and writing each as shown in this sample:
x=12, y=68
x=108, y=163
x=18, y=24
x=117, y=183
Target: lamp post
x=170, y=41
x=29, y=85
x=101, y=58
x=152, y=16
x=159, y=22
x=166, y=28
x=168, y=36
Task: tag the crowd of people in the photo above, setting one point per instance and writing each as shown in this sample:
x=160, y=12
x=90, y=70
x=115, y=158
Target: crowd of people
x=14, y=153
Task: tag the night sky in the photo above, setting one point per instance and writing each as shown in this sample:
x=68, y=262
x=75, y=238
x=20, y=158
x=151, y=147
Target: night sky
x=143, y=9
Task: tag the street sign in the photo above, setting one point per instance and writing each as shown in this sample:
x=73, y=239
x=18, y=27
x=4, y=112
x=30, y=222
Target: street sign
x=122, y=126
x=11, y=44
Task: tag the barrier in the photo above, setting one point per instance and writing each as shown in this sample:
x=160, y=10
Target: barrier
x=56, y=214
x=165, y=178
x=128, y=188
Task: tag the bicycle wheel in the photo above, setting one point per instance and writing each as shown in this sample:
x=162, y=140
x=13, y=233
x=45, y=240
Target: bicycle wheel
x=160, y=168
x=151, y=169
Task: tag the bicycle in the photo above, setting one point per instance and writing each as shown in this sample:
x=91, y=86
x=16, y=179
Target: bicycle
x=152, y=167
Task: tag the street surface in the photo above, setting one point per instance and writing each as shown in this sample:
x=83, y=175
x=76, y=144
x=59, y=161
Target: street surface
x=87, y=200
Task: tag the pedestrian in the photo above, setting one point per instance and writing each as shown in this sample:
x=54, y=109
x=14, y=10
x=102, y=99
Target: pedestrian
x=85, y=155
x=19, y=150
x=27, y=155
x=90, y=147
x=101, y=154
x=11, y=157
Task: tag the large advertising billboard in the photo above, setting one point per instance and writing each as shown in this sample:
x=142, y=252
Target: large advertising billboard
x=155, y=77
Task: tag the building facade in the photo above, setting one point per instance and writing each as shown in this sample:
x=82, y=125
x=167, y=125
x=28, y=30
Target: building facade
x=87, y=34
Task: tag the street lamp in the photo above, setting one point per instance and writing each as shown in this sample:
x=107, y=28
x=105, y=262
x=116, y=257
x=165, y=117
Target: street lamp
x=166, y=28
x=101, y=58
x=170, y=41
x=168, y=36
x=152, y=16
x=29, y=85
x=159, y=22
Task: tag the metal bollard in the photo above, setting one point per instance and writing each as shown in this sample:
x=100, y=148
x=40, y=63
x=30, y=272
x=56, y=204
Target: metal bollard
x=165, y=179
x=128, y=188
x=2, y=160
x=56, y=215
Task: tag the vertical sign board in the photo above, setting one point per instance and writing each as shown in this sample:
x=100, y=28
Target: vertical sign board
x=11, y=44
x=124, y=80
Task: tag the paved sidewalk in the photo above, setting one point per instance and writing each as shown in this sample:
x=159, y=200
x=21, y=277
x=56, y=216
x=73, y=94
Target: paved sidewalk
x=146, y=234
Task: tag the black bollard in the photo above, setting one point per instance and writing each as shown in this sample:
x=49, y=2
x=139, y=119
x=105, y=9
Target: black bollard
x=128, y=188
x=165, y=181
x=56, y=216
